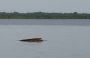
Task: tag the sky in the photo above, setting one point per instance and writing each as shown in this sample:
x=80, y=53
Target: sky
x=82, y=6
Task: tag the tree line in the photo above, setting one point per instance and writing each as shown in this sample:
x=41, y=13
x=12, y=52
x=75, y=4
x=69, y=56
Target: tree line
x=44, y=15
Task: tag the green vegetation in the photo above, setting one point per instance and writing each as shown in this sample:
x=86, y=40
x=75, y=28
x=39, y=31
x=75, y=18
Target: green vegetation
x=43, y=15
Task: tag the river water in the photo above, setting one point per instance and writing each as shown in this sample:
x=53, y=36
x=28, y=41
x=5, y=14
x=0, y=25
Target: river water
x=64, y=38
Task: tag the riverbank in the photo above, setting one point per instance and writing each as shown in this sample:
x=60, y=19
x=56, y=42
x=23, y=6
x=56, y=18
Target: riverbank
x=44, y=15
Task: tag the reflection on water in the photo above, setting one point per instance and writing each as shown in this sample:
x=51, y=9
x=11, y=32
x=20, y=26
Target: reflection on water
x=63, y=41
x=45, y=22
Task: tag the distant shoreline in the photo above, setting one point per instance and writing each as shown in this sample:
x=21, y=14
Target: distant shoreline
x=44, y=15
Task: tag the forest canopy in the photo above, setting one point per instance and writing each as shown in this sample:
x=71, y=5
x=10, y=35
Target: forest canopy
x=44, y=15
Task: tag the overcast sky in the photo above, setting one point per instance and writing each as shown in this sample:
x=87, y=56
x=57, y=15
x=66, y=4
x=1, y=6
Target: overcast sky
x=45, y=5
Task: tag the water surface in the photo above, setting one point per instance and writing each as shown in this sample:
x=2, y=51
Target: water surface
x=45, y=21
x=69, y=40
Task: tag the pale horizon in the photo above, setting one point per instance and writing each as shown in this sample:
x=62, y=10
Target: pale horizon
x=61, y=6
